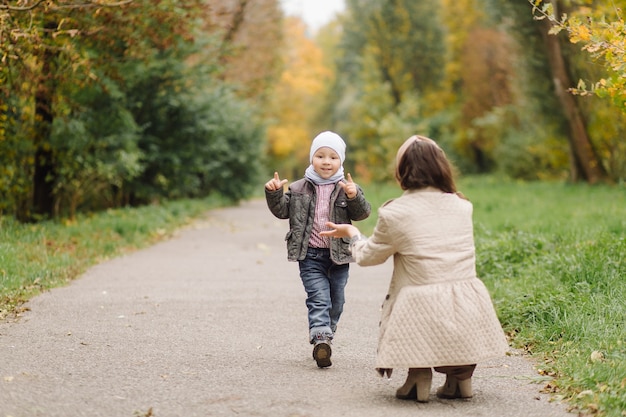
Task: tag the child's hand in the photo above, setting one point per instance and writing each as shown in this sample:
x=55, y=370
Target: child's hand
x=275, y=183
x=349, y=186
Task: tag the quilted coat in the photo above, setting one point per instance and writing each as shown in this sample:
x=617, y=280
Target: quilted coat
x=437, y=312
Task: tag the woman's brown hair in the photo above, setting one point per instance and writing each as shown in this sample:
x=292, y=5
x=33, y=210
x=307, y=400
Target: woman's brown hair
x=422, y=163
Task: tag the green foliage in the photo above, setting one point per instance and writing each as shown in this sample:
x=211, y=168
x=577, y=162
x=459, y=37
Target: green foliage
x=527, y=136
x=530, y=153
x=383, y=127
x=584, y=23
x=489, y=99
x=600, y=31
x=234, y=136
x=390, y=58
x=607, y=123
x=198, y=138
x=409, y=50
x=97, y=152
x=16, y=156
x=486, y=99
x=127, y=103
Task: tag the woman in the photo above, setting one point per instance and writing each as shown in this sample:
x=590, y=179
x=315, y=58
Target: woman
x=437, y=313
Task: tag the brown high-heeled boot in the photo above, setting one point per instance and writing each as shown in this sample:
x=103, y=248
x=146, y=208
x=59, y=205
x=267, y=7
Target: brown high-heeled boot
x=458, y=382
x=448, y=389
x=417, y=385
x=454, y=388
x=464, y=388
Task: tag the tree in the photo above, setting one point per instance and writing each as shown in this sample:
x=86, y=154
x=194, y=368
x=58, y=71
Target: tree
x=601, y=33
x=76, y=120
x=477, y=84
x=296, y=100
x=198, y=137
x=390, y=56
x=51, y=45
x=584, y=161
x=486, y=96
x=408, y=49
x=251, y=37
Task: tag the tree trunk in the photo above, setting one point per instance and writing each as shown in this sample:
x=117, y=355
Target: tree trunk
x=584, y=162
x=43, y=178
x=236, y=23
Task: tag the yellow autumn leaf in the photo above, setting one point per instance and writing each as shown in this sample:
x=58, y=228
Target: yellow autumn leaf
x=579, y=33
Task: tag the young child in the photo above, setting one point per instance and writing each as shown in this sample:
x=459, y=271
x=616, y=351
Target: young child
x=322, y=195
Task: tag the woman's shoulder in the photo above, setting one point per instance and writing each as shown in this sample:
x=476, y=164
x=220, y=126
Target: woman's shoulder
x=393, y=208
x=426, y=198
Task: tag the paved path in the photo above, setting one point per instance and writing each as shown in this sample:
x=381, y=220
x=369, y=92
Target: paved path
x=213, y=323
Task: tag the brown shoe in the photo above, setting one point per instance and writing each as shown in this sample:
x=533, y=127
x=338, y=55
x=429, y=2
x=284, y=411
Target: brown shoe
x=322, y=353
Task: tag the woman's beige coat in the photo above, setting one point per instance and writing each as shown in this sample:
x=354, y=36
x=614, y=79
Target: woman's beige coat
x=437, y=312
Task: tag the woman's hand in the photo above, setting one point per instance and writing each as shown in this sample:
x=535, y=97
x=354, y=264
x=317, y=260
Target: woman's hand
x=340, y=230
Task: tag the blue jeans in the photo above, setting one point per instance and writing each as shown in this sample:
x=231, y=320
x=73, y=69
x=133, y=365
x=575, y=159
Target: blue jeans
x=324, y=282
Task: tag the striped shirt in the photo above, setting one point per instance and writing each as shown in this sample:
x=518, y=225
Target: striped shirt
x=322, y=215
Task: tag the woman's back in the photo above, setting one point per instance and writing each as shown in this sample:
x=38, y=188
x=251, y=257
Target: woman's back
x=432, y=237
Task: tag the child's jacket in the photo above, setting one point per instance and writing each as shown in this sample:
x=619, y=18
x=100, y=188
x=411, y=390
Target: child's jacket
x=298, y=205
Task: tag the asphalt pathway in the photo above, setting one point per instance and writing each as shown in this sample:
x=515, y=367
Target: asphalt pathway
x=213, y=323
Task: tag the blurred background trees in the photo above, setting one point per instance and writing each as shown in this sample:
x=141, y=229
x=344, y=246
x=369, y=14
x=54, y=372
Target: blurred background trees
x=112, y=103
x=484, y=78
x=295, y=101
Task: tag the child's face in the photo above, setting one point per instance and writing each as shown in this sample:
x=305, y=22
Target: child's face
x=326, y=162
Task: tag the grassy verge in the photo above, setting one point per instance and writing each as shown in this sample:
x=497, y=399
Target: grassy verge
x=36, y=257
x=554, y=257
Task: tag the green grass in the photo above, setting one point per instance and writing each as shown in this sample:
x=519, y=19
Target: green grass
x=36, y=257
x=553, y=256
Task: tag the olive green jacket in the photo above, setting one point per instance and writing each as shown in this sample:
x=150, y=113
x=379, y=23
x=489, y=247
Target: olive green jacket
x=298, y=205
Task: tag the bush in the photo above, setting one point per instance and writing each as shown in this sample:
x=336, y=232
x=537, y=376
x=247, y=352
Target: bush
x=198, y=138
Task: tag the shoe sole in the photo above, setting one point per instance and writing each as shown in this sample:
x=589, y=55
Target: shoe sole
x=321, y=354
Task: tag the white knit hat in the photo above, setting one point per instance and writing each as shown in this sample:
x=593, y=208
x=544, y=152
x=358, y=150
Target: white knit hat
x=330, y=140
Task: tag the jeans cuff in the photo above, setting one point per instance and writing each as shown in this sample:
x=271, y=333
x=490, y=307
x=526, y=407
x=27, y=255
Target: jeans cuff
x=320, y=334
